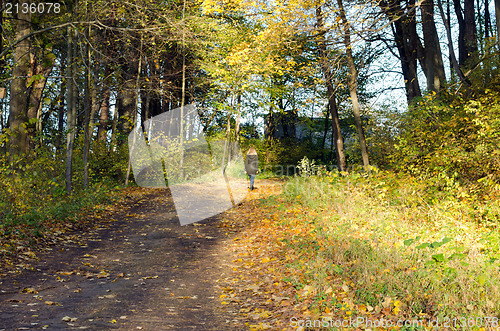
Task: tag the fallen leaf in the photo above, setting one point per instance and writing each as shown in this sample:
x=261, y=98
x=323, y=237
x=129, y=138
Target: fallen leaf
x=30, y=290
x=278, y=299
x=102, y=274
x=52, y=303
x=387, y=302
x=253, y=287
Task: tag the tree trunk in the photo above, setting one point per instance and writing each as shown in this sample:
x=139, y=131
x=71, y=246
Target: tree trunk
x=114, y=129
x=2, y=86
x=412, y=53
x=453, y=58
x=125, y=109
x=461, y=32
x=2, y=61
x=95, y=99
x=87, y=116
x=332, y=103
x=72, y=114
x=352, y=83
x=126, y=105
x=450, y=52
x=61, y=108
x=134, y=118
x=102, y=130
x=270, y=128
x=487, y=20
x=227, y=142
x=497, y=15
x=470, y=34
x=19, y=93
x=183, y=91
x=337, y=133
x=323, y=141
x=145, y=103
x=41, y=68
x=238, y=119
x=432, y=50
x=406, y=38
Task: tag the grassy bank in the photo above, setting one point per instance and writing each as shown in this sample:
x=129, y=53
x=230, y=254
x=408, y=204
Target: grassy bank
x=387, y=246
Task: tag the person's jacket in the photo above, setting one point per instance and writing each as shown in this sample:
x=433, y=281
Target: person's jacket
x=252, y=164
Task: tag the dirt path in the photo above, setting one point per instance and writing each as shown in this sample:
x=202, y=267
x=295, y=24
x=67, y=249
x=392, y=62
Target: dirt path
x=142, y=271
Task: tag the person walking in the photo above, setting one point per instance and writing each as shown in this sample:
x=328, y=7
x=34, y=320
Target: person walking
x=252, y=165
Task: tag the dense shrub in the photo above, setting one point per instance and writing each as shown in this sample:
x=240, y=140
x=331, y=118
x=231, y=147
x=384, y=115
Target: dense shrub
x=33, y=197
x=274, y=152
x=453, y=139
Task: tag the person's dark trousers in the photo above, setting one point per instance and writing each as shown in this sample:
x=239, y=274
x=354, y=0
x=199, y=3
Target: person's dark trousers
x=252, y=179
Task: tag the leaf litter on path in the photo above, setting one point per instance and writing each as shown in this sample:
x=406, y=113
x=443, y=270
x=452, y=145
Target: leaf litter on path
x=122, y=266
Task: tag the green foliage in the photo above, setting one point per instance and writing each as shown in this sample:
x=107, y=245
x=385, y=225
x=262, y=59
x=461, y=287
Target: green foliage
x=382, y=131
x=308, y=168
x=106, y=165
x=453, y=140
x=274, y=152
x=33, y=198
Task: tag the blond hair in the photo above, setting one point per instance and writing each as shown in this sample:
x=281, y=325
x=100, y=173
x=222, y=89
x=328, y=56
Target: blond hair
x=251, y=151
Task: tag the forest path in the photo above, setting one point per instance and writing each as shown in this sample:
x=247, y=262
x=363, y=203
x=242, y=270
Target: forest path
x=140, y=271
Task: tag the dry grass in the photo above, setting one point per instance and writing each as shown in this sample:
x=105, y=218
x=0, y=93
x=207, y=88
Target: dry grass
x=449, y=269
